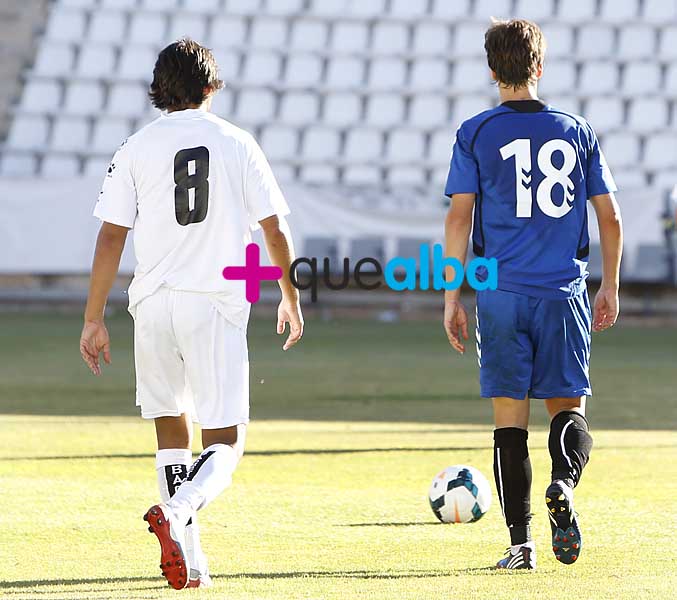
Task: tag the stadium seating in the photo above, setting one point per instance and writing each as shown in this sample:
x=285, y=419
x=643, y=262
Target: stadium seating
x=346, y=92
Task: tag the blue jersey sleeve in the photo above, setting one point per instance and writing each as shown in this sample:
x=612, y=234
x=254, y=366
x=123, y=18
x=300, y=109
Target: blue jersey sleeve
x=598, y=179
x=464, y=176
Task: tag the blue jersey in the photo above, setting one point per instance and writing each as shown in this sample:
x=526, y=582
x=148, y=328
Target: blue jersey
x=532, y=169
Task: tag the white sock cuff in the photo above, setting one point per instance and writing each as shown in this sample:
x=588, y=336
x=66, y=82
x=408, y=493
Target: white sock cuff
x=172, y=456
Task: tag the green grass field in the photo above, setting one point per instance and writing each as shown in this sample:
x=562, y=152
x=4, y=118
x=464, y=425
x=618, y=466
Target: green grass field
x=330, y=502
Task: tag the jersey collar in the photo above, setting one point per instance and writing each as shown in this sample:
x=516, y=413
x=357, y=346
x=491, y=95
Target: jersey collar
x=189, y=113
x=525, y=106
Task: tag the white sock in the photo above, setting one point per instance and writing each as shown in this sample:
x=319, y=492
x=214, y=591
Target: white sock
x=210, y=474
x=172, y=469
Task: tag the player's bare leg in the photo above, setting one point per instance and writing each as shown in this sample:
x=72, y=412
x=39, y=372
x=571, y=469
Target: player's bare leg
x=512, y=471
x=570, y=445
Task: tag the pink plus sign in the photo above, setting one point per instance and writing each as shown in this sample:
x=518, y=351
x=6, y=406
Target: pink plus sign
x=252, y=273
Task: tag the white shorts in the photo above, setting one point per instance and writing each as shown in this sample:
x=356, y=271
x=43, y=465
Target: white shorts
x=189, y=358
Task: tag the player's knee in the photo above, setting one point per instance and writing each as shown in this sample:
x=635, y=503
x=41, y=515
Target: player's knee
x=559, y=405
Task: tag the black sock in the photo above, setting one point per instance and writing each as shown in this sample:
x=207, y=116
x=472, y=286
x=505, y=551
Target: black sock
x=570, y=445
x=512, y=472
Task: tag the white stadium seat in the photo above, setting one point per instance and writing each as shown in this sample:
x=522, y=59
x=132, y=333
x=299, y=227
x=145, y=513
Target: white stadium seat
x=387, y=73
x=621, y=149
x=362, y=9
x=188, y=25
x=40, y=96
x=385, y=110
x=228, y=31
x=96, y=61
x=560, y=40
x=642, y=78
x=605, y=113
x=408, y=9
x=222, y=103
x=298, y=108
x=54, y=59
x=148, y=28
x=108, y=134
x=390, y=38
x=468, y=39
x=668, y=43
x=309, y=35
x=83, y=98
x=575, y=11
x=268, y=33
x=17, y=165
x=66, y=25
x=345, y=72
x=127, y=99
x=472, y=76
x=364, y=144
x=660, y=11
x=630, y=179
x=598, y=77
x=404, y=175
x=255, y=106
x=485, y=9
x=671, y=80
x=405, y=145
x=441, y=144
x=451, y=11
x=284, y=7
x=431, y=38
x=284, y=172
x=362, y=175
x=210, y=7
x=342, y=109
x=319, y=174
x=637, y=41
x=96, y=166
x=330, y=8
x=595, y=41
x=60, y=166
x=349, y=37
x=665, y=180
x=566, y=102
x=429, y=111
x=157, y=5
x=76, y=3
x=261, y=68
x=28, y=133
x=137, y=62
x=279, y=142
x=321, y=143
x=648, y=115
x=661, y=151
x=535, y=10
x=118, y=4
x=619, y=11
x=70, y=133
x=559, y=77
x=468, y=106
x=107, y=26
x=228, y=61
x=429, y=73
x=243, y=7
x=303, y=70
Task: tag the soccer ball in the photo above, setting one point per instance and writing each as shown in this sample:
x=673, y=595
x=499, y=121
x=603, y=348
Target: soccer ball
x=460, y=494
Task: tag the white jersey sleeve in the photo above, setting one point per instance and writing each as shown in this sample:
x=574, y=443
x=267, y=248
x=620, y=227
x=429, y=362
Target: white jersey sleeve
x=117, y=199
x=263, y=196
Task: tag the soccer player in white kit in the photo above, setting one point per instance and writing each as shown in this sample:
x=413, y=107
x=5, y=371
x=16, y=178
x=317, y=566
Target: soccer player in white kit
x=192, y=186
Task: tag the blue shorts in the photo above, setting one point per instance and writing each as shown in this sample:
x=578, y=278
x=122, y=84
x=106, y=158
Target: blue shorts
x=532, y=346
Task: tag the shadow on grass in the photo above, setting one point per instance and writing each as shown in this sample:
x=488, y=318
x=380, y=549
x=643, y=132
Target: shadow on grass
x=393, y=524
x=311, y=451
x=360, y=574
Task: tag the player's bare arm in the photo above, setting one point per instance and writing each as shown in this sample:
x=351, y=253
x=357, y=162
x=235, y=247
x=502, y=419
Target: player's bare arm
x=457, y=232
x=606, y=305
x=280, y=249
x=94, y=339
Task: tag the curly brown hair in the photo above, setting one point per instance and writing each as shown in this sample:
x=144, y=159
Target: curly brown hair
x=515, y=51
x=182, y=72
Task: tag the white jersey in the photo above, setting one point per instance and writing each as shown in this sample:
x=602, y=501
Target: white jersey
x=192, y=186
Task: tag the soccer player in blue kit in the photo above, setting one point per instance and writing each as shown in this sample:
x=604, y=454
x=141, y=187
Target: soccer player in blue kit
x=521, y=175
